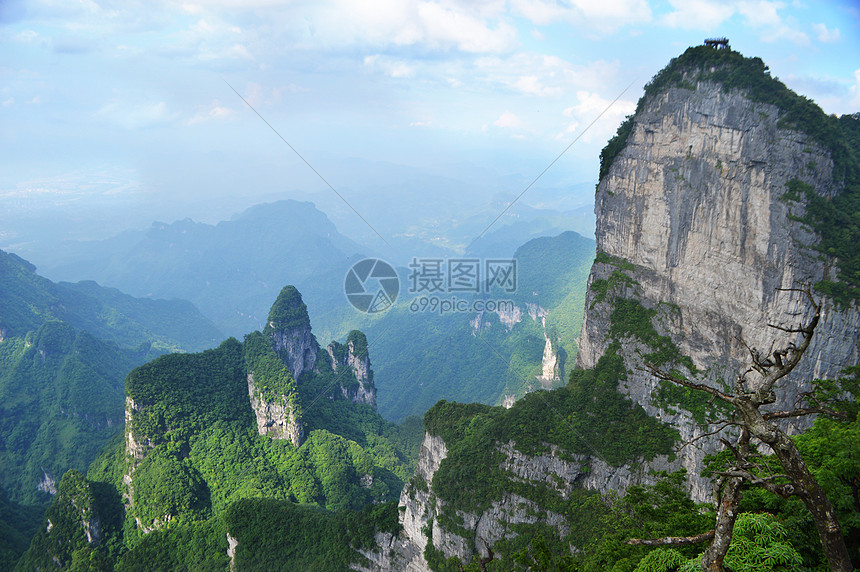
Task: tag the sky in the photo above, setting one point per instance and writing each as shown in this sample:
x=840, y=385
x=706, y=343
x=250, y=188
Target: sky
x=120, y=112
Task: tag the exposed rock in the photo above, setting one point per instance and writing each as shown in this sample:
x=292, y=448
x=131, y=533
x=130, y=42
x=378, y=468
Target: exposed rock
x=232, y=544
x=354, y=356
x=421, y=509
x=510, y=318
x=276, y=418
x=693, y=202
x=552, y=371
x=134, y=448
x=48, y=483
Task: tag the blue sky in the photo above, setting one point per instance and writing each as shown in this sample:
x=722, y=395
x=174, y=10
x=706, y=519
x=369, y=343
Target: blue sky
x=123, y=108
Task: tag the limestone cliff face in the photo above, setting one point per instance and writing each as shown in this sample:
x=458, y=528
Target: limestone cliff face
x=277, y=418
x=692, y=208
x=296, y=346
x=421, y=509
x=357, y=385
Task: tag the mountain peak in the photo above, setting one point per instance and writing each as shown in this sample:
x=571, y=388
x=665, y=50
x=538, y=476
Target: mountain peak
x=288, y=312
x=289, y=326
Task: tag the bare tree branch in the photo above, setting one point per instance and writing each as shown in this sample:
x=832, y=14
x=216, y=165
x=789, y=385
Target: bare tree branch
x=804, y=411
x=660, y=374
x=783, y=490
x=672, y=540
x=722, y=425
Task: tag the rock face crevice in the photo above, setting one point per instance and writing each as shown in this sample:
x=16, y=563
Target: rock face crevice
x=296, y=346
x=351, y=365
x=277, y=419
x=694, y=204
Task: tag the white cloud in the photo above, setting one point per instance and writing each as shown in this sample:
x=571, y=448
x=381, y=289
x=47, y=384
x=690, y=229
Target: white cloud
x=855, y=90
x=698, y=14
x=213, y=112
x=543, y=75
x=605, y=15
x=9, y=102
x=590, y=106
x=764, y=16
x=824, y=34
x=389, y=66
x=508, y=120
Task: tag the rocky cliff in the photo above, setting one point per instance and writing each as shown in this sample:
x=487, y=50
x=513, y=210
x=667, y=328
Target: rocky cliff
x=694, y=225
x=701, y=234
x=276, y=417
x=351, y=364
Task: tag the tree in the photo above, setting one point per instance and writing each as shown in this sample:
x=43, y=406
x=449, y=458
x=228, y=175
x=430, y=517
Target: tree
x=755, y=390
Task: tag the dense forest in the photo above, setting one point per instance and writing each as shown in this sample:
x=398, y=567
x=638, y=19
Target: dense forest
x=198, y=461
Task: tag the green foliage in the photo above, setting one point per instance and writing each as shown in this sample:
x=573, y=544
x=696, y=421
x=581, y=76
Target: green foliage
x=661, y=560
x=61, y=400
x=166, y=488
x=178, y=395
x=630, y=318
x=419, y=358
x=615, y=145
x=276, y=535
x=78, y=506
x=288, y=311
x=759, y=544
x=186, y=546
x=832, y=450
x=272, y=377
x=18, y=524
x=588, y=414
x=837, y=222
x=601, y=288
x=359, y=343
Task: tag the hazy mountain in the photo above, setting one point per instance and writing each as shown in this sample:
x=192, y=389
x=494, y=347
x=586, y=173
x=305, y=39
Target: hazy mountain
x=231, y=270
x=64, y=352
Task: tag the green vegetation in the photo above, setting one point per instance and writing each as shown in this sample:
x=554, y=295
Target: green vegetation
x=202, y=458
x=759, y=544
x=60, y=402
x=272, y=377
x=588, y=414
x=615, y=145
x=422, y=357
x=80, y=507
x=837, y=222
x=179, y=395
x=288, y=311
x=276, y=535
x=629, y=318
x=18, y=524
x=186, y=546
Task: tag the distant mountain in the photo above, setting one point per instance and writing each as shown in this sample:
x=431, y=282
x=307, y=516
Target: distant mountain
x=64, y=352
x=493, y=356
x=28, y=300
x=231, y=270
